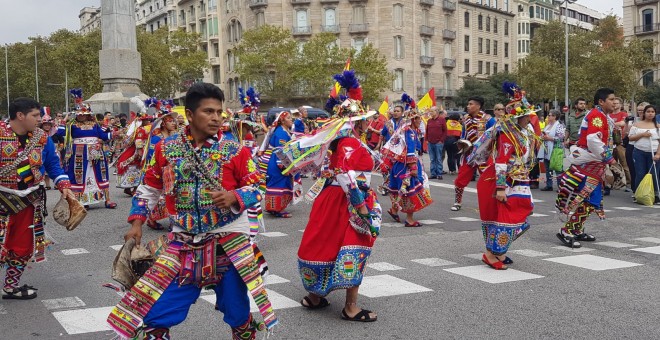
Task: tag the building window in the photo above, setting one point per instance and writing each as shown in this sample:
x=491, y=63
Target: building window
x=260, y=19
x=466, y=19
x=426, y=14
x=398, y=47
x=480, y=67
x=301, y=19
x=487, y=46
x=480, y=45
x=647, y=20
x=358, y=15
x=506, y=68
x=216, y=50
x=397, y=15
x=495, y=25
x=426, y=48
x=506, y=28
x=358, y=44
x=466, y=43
x=480, y=22
x=494, y=47
x=506, y=50
x=466, y=66
x=398, y=80
x=488, y=67
x=487, y=24
x=531, y=12
x=216, y=74
x=506, y=6
x=494, y=67
x=330, y=17
x=426, y=81
x=519, y=46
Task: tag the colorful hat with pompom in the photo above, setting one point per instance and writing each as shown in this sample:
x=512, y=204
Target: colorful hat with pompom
x=80, y=107
x=518, y=105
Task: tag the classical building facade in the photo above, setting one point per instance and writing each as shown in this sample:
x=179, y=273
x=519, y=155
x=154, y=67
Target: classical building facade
x=640, y=20
x=90, y=19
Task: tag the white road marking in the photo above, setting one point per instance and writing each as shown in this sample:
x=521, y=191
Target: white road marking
x=592, y=262
x=383, y=266
x=537, y=200
x=387, y=285
x=273, y=234
x=477, y=256
x=3, y=310
x=539, y=215
x=627, y=208
x=87, y=320
x=278, y=301
x=648, y=239
x=274, y=279
x=391, y=225
x=490, y=275
x=117, y=247
x=574, y=250
x=615, y=244
x=440, y=185
x=67, y=302
x=529, y=253
x=465, y=219
x=434, y=262
x=75, y=251
x=426, y=222
x=650, y=250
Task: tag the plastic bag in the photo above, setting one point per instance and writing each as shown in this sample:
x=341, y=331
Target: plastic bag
x=557, y=159
x=645, y=193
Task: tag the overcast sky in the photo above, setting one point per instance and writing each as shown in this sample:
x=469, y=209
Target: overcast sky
x=27, y=18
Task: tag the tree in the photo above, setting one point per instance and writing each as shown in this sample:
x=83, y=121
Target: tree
x=490, y=89
x=371, y=66
x=320, y=59
x=596, y=59
x=267, y=57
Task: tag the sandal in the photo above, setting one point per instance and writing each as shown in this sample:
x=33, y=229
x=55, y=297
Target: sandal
x=499, y=265
x=154, y=225
x=282, y=214
x=362, y=316
x=110, y=205
x=322, y=303
x=394, y=216
x=455, y=207
x=48, y=187
x=585, y=237
x=24, y=292
x=128, y=191
x=507, y=260
x=413, y=225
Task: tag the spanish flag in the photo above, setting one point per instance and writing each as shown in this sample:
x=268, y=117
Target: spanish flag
x=427, y=101
x=384, y=107
x=335, y=89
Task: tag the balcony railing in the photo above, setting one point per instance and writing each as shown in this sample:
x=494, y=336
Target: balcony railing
x=258, y=3
x=300, y=2
x=650, y=28
x=426, y=60
x=329, y=1
x=644, y=2
x=427, y=2
x=301, y=30
x=426, y=30
x=357, y=0
x=448, y=62
x=445, y=93
x=358, y=28
x=330, y=28
x=421, y=91
x=448, y=5
x=448, y=34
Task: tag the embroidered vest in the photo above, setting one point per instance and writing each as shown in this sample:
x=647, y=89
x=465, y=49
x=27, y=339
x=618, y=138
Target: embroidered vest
x=192, y=196
x=10, y=147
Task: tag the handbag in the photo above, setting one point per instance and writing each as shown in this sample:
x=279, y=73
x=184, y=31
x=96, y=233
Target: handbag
x=557, y=159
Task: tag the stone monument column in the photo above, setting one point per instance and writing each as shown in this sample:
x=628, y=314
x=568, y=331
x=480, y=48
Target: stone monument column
x=119, y=61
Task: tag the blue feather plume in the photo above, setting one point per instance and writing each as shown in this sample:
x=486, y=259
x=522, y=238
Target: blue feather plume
x=510, y=88
x=76, y=93
x=254, y=96
x=241, y=96
x=347, y=80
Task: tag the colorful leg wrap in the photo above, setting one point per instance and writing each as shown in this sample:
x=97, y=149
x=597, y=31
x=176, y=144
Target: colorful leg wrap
x=15, y=268
x=458, y=199
x=575, y=224
x=157, y=334
x=247, y=331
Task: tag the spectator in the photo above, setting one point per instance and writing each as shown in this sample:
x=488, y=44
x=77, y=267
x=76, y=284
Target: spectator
x=645, y=134
x=553, y=134
x=619, y=118
x=373, y=131
x=454, y=132
x=436, y=134
x=630, y=145
x=574, y=120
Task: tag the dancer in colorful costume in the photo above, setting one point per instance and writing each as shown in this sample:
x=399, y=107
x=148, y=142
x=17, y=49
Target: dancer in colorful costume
x=209, y=181
x=345, y=217
x=581, y=186
x=279, y=187
x=163, y=127
x=406, y=177
x=85, y=160
x=250, y=101
x=27, y=154
x=131, y=161
x=503, y=189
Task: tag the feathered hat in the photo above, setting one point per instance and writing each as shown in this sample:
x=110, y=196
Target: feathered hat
x=152, y=111
x=518, y=105
x=249, y=99
x=350, y=103
x=80, y=107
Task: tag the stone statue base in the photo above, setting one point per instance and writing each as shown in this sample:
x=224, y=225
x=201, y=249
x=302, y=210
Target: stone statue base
x=117, y=101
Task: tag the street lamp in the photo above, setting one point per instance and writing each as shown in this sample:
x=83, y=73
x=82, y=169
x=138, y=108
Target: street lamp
x=565, y=3
x=66, y=90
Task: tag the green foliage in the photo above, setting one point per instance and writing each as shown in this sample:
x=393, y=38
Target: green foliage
x=650, y=94
x=599, y=58
x=167, y=60
x=490, y=89
x=281, y=69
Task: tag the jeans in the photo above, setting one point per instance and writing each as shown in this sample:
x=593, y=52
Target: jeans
x=452, y=153
x=631, y=165
x=548, y=173
x=435, y=151
x=643, y=161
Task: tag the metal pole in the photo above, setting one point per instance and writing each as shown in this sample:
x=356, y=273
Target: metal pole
x=66, y=90
x=36, y=70
x=7, y=75
x=566, y=58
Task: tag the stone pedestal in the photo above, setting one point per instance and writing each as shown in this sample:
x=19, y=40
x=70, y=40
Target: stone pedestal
x=119, y=61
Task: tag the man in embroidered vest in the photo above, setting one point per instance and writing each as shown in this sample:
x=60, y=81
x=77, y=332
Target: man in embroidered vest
x=209, y=182
x=581, y=186
x=26, y=155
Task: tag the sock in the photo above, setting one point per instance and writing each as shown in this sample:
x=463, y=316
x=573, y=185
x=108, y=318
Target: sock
x=247, y=331
x=15, y=268
x=157, y=334
x=458, y=199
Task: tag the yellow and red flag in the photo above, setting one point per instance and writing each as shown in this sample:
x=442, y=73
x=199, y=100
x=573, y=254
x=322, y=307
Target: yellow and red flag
x=384, y=107
x=335, y=89
x=427, y=101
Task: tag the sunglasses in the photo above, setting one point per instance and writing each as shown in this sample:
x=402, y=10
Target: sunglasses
x=499, y=109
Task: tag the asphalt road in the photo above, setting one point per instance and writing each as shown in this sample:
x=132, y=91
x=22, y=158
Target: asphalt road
x=424, y=283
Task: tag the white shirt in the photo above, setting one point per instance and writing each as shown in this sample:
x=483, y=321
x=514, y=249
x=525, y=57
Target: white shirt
x=647, y=144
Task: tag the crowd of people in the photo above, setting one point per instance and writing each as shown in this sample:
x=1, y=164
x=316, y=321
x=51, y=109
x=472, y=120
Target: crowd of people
x=207, y=174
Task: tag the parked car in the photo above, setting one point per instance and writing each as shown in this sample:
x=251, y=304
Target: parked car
x=312, y=113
